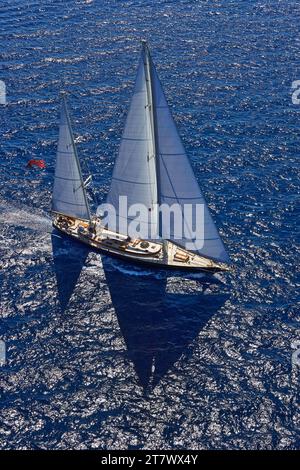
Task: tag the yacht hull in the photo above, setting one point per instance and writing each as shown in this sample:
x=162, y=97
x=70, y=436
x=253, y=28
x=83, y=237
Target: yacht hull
x=142, y=252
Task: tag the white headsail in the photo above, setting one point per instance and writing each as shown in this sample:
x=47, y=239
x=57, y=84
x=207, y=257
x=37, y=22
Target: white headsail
x=177, y=181
x=69, y=196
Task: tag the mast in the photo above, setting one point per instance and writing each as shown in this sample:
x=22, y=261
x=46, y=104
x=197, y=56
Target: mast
x=153, y=120
x=176, y=181
x=76, y=155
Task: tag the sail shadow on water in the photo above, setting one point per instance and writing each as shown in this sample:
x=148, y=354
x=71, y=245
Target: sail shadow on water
x=69, y=257
x=158, y=326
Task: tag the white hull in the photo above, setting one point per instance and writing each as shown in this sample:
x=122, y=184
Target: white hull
x=167, y=255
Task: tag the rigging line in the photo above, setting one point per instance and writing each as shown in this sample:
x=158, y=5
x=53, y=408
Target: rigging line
x=148, y=67
x=149, y=150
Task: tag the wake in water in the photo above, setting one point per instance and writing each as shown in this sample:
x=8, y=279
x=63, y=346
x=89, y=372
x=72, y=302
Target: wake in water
x=20, y=217
x=132, y=270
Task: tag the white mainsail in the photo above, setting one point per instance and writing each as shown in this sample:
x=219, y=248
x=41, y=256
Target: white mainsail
x=152, y=166
x=134, y=172
x=69, y=196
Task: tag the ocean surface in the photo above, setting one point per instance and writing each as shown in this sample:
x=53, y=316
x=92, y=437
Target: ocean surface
x=105, y=355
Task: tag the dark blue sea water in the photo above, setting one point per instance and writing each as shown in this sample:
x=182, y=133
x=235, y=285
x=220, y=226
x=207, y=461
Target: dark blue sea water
x=101, y=354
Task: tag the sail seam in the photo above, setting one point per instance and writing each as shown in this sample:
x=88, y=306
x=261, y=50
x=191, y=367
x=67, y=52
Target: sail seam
x=185, y=198
x=204, y=239
x=172, y=154
x=67, y=179
x=133, y=218
x=138, y=140
x=65, y=153
x=70, y=203
x=132, y=182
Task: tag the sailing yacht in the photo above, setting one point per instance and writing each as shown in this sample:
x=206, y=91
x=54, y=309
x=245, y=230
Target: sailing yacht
x=152, y=170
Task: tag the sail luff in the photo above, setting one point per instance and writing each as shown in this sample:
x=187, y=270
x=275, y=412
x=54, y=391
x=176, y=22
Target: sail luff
x=151, y=99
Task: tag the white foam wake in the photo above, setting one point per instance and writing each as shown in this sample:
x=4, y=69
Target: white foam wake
x=20, y=217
